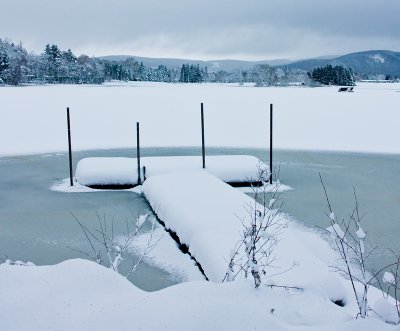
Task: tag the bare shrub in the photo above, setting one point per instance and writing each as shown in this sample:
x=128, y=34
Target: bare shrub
x=262, y=225
x=110, y=250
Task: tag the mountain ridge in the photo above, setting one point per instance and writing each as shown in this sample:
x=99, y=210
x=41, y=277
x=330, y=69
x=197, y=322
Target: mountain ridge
x=383, y=62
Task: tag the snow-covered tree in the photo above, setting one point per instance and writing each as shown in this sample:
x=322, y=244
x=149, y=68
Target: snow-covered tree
x=13, y=63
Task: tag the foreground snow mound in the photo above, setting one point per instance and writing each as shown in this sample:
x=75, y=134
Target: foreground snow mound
x=123, y=171
x=70, y=295
x=82, y=295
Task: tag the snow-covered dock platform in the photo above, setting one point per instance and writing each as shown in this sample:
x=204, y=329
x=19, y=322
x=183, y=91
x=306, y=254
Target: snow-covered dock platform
x=121, y=172
x=208, y=216
x=204, y=215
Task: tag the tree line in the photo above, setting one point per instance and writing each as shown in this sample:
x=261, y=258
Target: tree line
x=56, y=66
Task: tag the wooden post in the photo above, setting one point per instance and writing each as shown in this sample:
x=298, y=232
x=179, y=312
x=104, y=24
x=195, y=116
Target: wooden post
x=138, y=153
x=203, y=150
x=69, y=149
x=270, y=142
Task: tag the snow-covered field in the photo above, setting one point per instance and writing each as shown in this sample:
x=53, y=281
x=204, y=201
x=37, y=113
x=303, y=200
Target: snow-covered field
x=33, y=118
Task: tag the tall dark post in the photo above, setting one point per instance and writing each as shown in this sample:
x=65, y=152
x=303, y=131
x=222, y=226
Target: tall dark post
x=270, y=142
x=138, y=153
x=203, y=150
x=69, y=148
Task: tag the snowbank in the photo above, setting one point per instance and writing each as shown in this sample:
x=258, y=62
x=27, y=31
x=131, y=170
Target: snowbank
x=81, y=295
x=123, y=171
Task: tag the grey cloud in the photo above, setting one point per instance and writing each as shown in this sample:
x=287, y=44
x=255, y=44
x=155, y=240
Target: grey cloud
x=205, y=29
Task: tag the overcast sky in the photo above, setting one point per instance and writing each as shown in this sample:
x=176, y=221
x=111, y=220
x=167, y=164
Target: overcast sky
x=207, y=29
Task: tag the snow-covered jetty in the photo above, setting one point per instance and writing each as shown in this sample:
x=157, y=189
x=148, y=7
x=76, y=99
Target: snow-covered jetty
x=121, y=172
x=204, y=215
x=208, y=216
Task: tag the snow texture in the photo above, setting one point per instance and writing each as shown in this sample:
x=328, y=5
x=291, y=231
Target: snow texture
x=82, y=295
x=386, y=311
x=120, y=170
x=34, y=117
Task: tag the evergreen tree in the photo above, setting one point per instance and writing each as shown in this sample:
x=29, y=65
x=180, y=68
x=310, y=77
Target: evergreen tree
x=337, y=75
x=4, y=63
x=191, y=74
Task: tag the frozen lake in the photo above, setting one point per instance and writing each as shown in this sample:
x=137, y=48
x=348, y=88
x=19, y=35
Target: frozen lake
x=36, y=223
x=34, y=117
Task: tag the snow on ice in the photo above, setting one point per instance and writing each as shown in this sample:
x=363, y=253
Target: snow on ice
x=105, y=117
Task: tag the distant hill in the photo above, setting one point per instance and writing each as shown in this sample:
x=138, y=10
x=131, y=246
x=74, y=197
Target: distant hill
x=213, y=66
x=368, y=62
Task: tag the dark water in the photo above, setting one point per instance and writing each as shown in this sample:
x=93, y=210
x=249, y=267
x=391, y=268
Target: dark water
x=36, y=224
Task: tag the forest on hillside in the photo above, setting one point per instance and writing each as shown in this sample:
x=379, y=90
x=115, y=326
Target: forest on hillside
x=56, y=66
